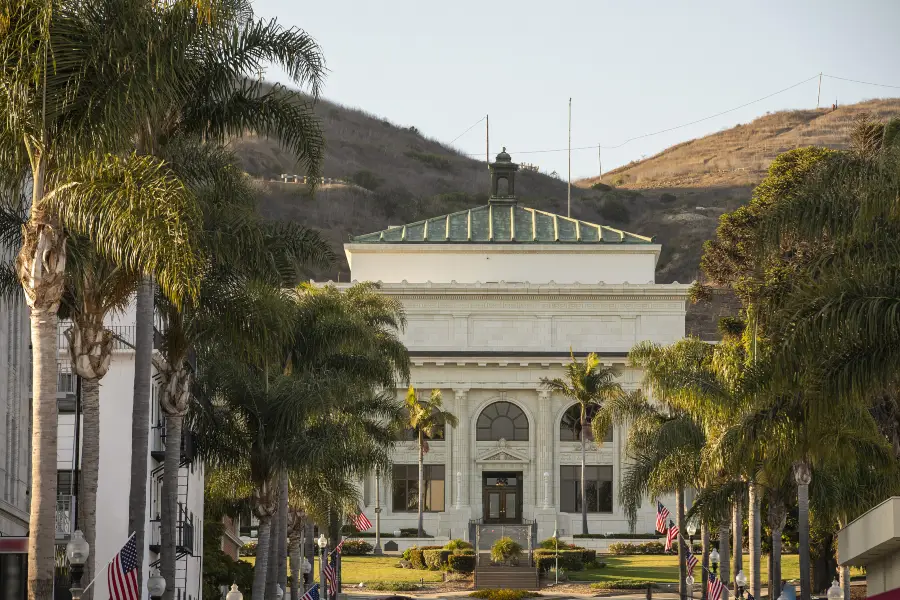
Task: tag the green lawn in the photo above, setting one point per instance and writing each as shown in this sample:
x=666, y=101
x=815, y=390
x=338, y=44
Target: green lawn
x=356, y=569
x=664, y=569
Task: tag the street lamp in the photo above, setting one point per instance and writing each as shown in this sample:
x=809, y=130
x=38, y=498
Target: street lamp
x=740, y=580
x=156, y=585
x=714, y=561
x=377, y=550
x=556, y=545
x=691, y=531
x=234, y=594
x=835, y=592
x=689, y=580
x=77, y=552
x=279, y=592
x=323, y=546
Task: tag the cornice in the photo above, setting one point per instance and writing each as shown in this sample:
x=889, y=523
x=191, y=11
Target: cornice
x=530, y=291
x=511, y=248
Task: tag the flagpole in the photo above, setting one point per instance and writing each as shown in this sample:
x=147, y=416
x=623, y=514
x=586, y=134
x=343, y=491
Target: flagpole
x=106, y=566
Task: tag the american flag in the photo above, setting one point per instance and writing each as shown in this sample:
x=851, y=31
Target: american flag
x=339, y=546
x=330, y=573
x=312, y=593
x=714, y=588
x=361, y=522
x=122, y=573
x=671, y=536
x=662, y=513
x=691, y=562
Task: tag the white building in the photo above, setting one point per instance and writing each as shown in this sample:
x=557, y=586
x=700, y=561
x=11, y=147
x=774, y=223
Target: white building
x=496, y=297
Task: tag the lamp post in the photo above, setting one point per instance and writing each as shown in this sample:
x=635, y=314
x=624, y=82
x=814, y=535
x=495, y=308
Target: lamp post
x=377, y=550
x=234, y=594
x=77, y=552
x=714, y=561
x=156, y=585
x=323, y=546
x=835, y=592
x=556, y=545
x=740, y=582
x=691, y=531
x=689, y=580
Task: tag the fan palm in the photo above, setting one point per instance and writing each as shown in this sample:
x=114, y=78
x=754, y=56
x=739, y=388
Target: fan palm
x=590, y=384
x=427, y=418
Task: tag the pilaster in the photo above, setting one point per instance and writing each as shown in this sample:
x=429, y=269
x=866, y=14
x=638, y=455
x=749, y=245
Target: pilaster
x=461, y=450
x=545, y=447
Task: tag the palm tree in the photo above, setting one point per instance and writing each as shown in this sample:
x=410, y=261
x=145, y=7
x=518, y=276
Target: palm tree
x=427, y=418
x=590, y=384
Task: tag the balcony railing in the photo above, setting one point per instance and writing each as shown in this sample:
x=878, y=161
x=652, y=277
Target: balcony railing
x=158, y=444
x=123, y=336
x=184, y=533
x=65, y=515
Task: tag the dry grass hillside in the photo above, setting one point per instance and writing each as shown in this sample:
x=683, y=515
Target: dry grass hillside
x=400, y=176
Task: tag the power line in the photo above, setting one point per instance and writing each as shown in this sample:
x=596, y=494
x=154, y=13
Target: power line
x=468, y=130
x=896, y=87
x=646, y=135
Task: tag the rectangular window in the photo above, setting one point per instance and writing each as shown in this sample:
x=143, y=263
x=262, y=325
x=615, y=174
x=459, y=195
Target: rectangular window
x=406, y=488
x=598, y=488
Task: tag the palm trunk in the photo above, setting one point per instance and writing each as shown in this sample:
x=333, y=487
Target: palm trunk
x=90, y=470
x=737, y=530
x=169, y=503
x=283, y=534
x=421, y=485
x=704, y=542
x=724, y=553
x=272, y=561
x=777, y=516
x=41, y=266
x=844, y=580
x=262, y=556
x=803, y=476
x=296, y=561
x=584, y=522
x=140, y=419
x=42, y=523
x=755, y=533
x=682, y=562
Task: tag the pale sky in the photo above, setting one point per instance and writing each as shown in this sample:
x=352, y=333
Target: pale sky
x=631, y=67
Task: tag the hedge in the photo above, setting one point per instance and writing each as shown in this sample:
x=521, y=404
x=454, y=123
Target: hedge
x=623, y=584
x=617, y=536
x=458, y=545
x=646, y=548
x=502, y=594
x=356, y=547
x=570, y=560
x=588, y=556
x=416, y=555
x=435, y=559
x=461, y=563
x=393, y=586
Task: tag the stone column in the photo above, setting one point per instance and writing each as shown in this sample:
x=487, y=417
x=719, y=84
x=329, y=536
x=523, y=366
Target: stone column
x=546, y=442
x=461, y=450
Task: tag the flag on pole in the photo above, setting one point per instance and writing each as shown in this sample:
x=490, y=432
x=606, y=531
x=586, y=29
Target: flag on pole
x=122, y=573
x=691, y=562
x=714, y=588
x=671, y=536
x=662, y=513
x=330, y=573
x=361, y=522
x=312, y=593
x=339, y=546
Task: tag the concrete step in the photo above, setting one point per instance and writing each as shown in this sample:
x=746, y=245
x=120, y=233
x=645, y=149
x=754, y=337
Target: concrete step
x=517, y=578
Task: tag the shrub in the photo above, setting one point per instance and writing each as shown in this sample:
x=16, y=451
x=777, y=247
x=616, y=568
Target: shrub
x=611, y=536
x=457, y=545
x=601, y=187
x=407, y=554
x=623, y=584
x=501, y=594
x=668, y=198
x=506, y=549
x=367, y=179
x=356, y=547
x=588, y=556
x=435, y=161
x=248, y=549
x=416, y=557
x=393, y=586
x=570, y=560
x=461, y=563
x=551, y=543
x=434, y=559
x=614, y=209
x=412, y=532
x=646, y=548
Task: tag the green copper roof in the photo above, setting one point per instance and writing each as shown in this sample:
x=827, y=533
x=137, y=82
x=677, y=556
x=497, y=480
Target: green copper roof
x=498, y=223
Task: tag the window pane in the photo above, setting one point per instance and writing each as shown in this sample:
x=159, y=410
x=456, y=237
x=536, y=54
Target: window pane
x=591, y=492
x=567, y=495
x=605, y=496
x=436, y=472
x=502, y=420
x=503, y=428
x=436, y=495
x=399, y=503
x=412, y=495
x=511, y=505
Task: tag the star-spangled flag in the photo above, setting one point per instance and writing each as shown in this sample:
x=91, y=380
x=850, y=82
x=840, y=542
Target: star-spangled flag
x=750, y=596
x=121, y=577
x=312, y=593
x=339, y=546
x=671, y=536
x=714, y=588
x=330, y=573
x=662, y=513
x=691, y=562
x=361, y=522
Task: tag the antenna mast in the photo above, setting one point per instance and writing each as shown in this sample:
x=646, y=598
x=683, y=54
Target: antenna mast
x=569, y=190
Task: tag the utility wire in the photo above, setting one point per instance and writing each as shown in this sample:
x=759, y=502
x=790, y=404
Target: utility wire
x=896, y=87
x=467, y=130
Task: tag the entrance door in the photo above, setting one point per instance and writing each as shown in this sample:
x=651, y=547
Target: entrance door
x=502, y=494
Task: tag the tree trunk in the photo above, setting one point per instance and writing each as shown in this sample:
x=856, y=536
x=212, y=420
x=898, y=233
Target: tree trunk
x=140, y=419
x=777, y=516
x=262, y=556
x=803, y=477
x=421, y=491
x=169, y=503
x=682, y=557
x=755, y=533
x=724, y=553
x=584, y=507
x=844, y=580
x=272, y=562
x=704, y=542
x=283, y=534
x=90, y=470
x=41, y=266
x=737, y=530
x=297, y=589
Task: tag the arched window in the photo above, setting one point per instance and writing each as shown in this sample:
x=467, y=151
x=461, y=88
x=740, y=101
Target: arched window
x=502, y=420
x=570, y=425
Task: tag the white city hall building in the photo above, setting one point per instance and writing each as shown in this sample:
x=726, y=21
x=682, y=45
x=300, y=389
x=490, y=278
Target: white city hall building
x=496, y=297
